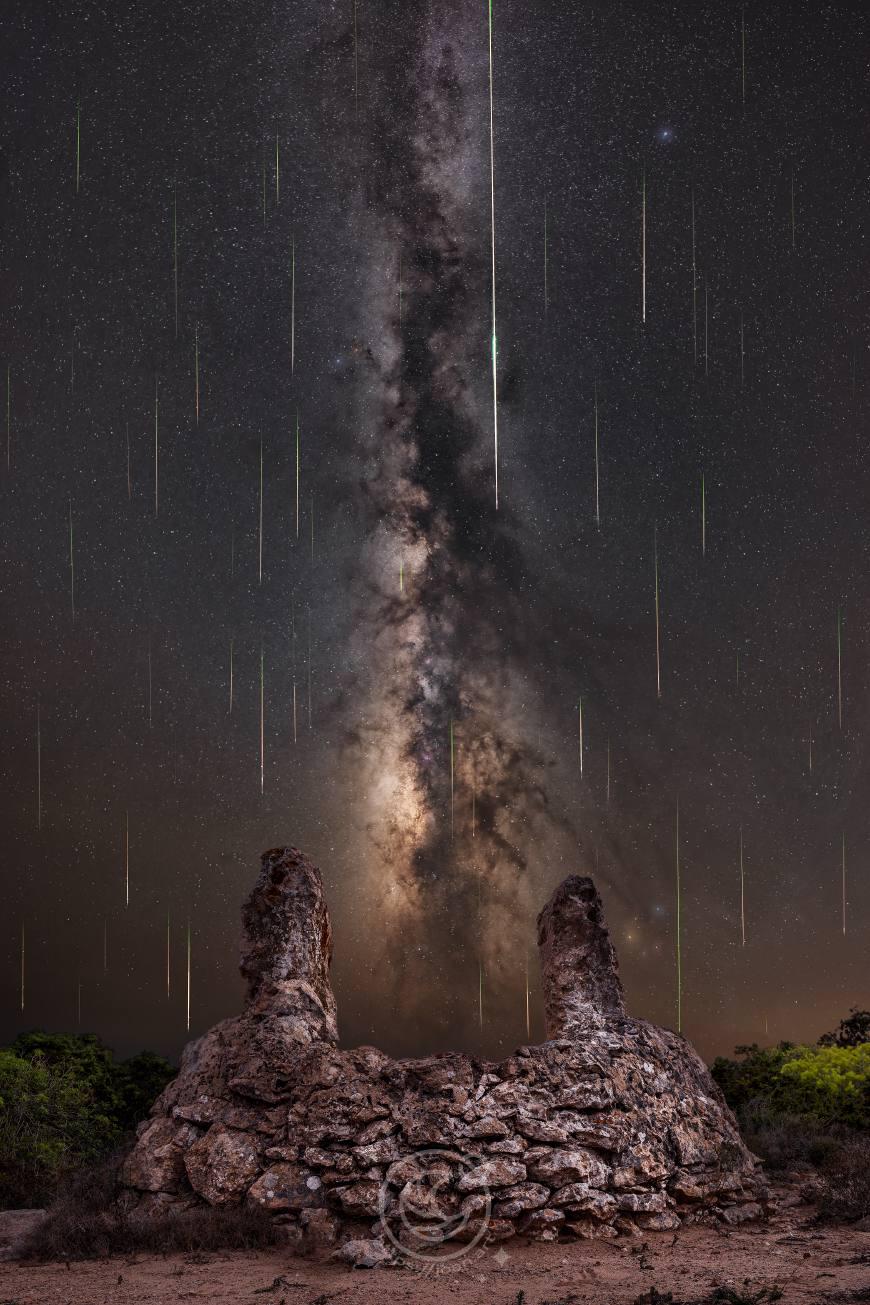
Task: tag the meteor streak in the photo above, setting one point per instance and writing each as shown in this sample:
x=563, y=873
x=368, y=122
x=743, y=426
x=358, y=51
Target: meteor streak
x=156, y=448
x=546, y=282
x=840, y=667
x=38, y=765
x=643, y=245
x=188, y=976
x=792, y=210
x=262, y=726
x=742, y=894
x=293, y=304
x=658, y=614
x=492, y=241
x=260, y=550
x=72, y=570
x=703, y=517
x=355, y=64
x=743, y=56
x=309, y=666
x=175, y=252
x=452, y=778
x=597, y=478
x=528, y=1011
x=679, y=925
x=694, y=286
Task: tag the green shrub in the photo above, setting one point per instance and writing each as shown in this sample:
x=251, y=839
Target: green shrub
x=829, y=1084
x=65, y=1102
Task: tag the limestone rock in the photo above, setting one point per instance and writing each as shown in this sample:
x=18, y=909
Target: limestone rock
x=558, y=1168
x=156, y=1163
x=578, y=964
x=286, y=1187
x=492, y=1173
x=364, y=1254
x=289, y=942
x=222, y=1165
x=602, y=1129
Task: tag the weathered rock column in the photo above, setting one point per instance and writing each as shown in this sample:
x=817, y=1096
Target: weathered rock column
x=288, y=943
x=579, y=969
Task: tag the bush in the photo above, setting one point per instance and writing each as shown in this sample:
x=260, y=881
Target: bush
x=784, y=1140
x=828, y=1084
x=65, y=1102
x=86, y=1221
x=850, y=1032
x=844, y=1189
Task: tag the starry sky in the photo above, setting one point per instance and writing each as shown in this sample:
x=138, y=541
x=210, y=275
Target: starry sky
x=254, y=585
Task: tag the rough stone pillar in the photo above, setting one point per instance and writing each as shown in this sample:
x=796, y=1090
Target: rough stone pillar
x=579, y=969
x=288, y=943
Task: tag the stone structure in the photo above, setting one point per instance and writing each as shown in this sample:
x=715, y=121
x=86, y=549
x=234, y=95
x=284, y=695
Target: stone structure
x=611, y=1126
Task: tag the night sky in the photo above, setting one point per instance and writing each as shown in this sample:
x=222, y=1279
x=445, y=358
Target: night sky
x=153, y=256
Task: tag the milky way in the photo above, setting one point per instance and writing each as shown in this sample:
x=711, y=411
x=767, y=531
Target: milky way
x=256, y=220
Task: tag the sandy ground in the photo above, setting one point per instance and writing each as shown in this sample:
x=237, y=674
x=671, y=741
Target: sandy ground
x=808, y=1263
